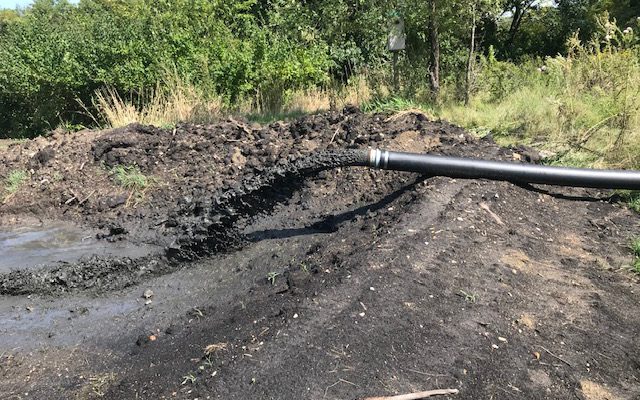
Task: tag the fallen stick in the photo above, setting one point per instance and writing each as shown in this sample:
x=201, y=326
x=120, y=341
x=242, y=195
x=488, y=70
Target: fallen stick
x=417, y=395
x=556, y=357
x=485, y=207
x=86, y=198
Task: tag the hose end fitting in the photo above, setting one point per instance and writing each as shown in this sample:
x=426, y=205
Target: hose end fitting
x=378, y=159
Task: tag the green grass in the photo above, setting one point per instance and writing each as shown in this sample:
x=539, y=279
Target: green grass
x=631, y=197
x=395, y=104
x=585, y=110
x=267, y=118
x=131, y=178
x=15, y=180
x=635, y=248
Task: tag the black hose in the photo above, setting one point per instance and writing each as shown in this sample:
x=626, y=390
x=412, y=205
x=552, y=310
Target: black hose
x=457, y=167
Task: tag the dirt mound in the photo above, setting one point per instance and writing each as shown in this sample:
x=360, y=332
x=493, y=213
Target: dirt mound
x=247, y=170
x=70, y=175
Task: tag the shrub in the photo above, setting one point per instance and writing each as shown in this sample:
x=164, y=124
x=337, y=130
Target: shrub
x=585, y=106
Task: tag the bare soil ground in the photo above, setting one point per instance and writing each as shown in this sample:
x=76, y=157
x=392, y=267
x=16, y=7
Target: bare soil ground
x=341, y=284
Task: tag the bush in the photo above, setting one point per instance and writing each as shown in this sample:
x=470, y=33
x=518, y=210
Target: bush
x=584, y=107
x=57, y=55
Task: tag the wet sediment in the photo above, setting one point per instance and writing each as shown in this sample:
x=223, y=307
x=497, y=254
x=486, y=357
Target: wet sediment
x=210, y=227
x=211, y=181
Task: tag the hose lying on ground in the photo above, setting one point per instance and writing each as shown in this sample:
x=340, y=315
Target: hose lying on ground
x=467, y=168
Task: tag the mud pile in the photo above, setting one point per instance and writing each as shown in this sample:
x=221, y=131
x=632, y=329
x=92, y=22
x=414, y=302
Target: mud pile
x=209, y=182
x=70, y=174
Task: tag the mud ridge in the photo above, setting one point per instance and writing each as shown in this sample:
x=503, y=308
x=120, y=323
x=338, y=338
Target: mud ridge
x=214, y=231
x=220, y=176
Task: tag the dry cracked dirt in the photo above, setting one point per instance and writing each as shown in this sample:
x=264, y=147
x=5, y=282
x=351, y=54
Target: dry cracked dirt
x=315, y=283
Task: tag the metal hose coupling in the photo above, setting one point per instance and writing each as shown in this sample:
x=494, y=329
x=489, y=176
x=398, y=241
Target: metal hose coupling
x=468, y=168
x=378, y=158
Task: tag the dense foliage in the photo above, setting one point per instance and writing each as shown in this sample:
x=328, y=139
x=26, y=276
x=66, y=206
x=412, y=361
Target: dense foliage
x=56, y=55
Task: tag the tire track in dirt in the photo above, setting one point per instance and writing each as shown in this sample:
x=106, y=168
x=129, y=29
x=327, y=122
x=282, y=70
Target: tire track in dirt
x=294, y=334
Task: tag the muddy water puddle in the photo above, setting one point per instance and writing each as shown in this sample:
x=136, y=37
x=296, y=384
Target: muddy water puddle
x=48, y=244
x=31, y=322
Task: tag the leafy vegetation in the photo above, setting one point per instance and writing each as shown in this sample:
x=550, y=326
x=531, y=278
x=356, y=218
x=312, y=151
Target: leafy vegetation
x=14, y=180
x=563, y=76
x=393, y=104
x=130, y=177
x=583, y=107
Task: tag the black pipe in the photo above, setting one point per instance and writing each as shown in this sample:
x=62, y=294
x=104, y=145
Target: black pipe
x=467, y=168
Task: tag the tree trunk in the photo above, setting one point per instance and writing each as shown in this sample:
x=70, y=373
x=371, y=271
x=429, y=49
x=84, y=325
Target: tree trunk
x=520, y=9
x=515, y=24
x=434, y=67
x=471, y=58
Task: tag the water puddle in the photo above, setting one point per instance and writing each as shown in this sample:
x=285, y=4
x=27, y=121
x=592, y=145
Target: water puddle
x=48, y=244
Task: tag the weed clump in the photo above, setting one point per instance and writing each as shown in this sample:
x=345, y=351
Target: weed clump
x=635, y=247
x=14, y=180
x=130, y=177
x=631, y=198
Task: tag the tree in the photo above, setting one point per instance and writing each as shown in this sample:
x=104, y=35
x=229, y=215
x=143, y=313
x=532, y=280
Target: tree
x=518, y=9
x=582, y=15
x=470, y=59
x=478, y=10
x=7, y=17
x=434, y=37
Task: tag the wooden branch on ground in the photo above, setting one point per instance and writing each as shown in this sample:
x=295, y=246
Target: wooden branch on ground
x=417, y=395
x=556, y=357
x=493, y=215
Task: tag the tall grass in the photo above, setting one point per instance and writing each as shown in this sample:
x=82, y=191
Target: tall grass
x=357, y=91
x=584, y=107
x=176, y=100
x=173, y=100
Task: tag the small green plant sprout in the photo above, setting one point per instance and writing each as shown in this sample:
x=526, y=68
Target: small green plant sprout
x=271, y=277
x=57, y=176
x=130, y=177
x=189, y=378
x=14, y=180
x=304, y=267
x=207, y=361
x=67, y=126
x=468, y=297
